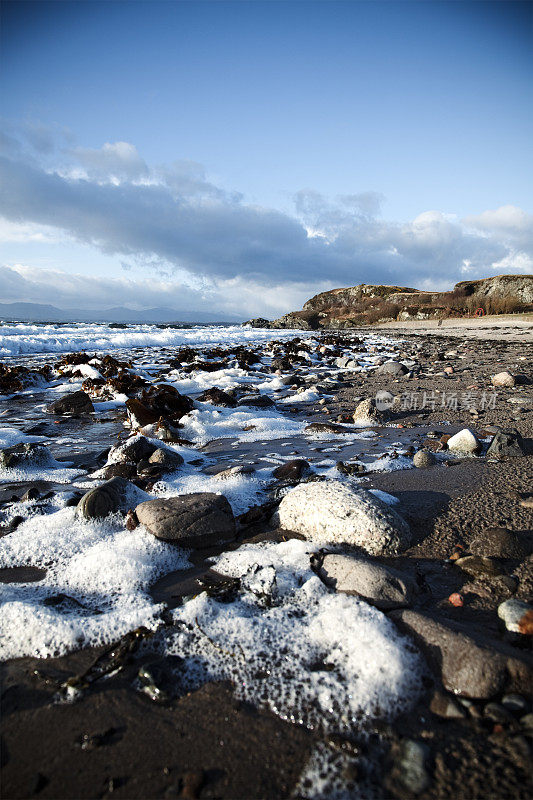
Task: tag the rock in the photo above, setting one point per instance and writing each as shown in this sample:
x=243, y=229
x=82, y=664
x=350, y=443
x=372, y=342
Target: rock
x=497, y=713
x=411, y=766
x=527, y=722
x=25, y=455
x=507, y=443
x=468, y=669
x=443, y=705
x=114, y=495
x=166, y=459
x=120, y=470
x=166, y=432
x=232, y=472
x=73, y=403
x=191, y=520
x=325, y=427
x=329, y=511
x=133, y=450
x=367, y=413
x=292, y=470
x=479, y=566
x=382, y=586
x=161, y=400
x=516, y=704
x=258, y=322
x=256, y=401
x=393, y=368
x=501, y=543
x=464, y=442
x=424, y=458
x=517, y=616
x=503, y=379
x=217, y=397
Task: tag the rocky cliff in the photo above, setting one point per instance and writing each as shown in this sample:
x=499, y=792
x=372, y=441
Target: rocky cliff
x=367, y=303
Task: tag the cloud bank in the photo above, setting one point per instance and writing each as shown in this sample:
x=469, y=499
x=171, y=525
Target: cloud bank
x=225, y=250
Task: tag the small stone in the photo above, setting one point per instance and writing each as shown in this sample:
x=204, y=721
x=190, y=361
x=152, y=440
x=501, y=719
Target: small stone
x=517, y=616
x=292, y=470
x=191, y=520
x=135, y=449
x=527, y=722
x=412, y=766
x=456, y=600
x=424, y=458
x=443, y=705
x=464, y=442
x=503, y=379
x=479, y=566
x=515, y=703
x=232, y=472
x=497, y=713
x=393, y=368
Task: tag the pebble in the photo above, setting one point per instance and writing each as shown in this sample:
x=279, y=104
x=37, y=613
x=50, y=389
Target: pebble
x=424, y=458
x=503, y=379
x=515, y=703
x=193, y=520
x=382, y=586
x=464, y=441
x=517, y=616
x=412, y=766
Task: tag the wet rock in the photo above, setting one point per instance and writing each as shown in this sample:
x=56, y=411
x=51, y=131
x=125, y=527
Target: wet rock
x=517, y=616
x=112, y=496
x=325, y=427
x=133, y=450
x=73, y=403
x=464, y=442
x=501, y=543
x=497, y=713
x=159, y=401
x=32, y=493
x=503, y=379
x=479, y=566
x=393, y=368
x=166, y=432
x=507, y=443
x=166, y=459
x=120, y=470
x=367, y=413
x=217, y=397
x=292, y=470
x=25, y=455
x=467, y=668
x=424, y=458
x=256, y=401
x=157, y=678
x=382, y=586
x=329, y=511
x=191, y=520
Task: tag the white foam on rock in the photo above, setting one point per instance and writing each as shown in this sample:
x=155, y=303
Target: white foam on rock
x=9, y=437
x=103, y=566
x=313, y=657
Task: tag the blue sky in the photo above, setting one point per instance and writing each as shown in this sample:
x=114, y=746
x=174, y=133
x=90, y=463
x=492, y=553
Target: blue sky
x=242, y=156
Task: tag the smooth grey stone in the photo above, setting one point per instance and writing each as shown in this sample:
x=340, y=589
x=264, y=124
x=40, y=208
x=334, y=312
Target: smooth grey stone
x=192, y=520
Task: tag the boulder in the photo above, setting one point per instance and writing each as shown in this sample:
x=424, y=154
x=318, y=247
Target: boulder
x=25, y=455
x=73, y=403
x=382, y=586
x=393, y=368
x=117, y=494
x=468, y=669
x=332, y=512
x=292, y=470
x=464, y=442
x=507, y=443
x=135, y=449
x=191, y=520
x=503, y=379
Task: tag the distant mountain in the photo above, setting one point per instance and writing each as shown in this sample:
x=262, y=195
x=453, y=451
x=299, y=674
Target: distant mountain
x=37, y=312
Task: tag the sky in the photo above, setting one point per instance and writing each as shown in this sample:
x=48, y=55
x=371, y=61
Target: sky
x=239, y=157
